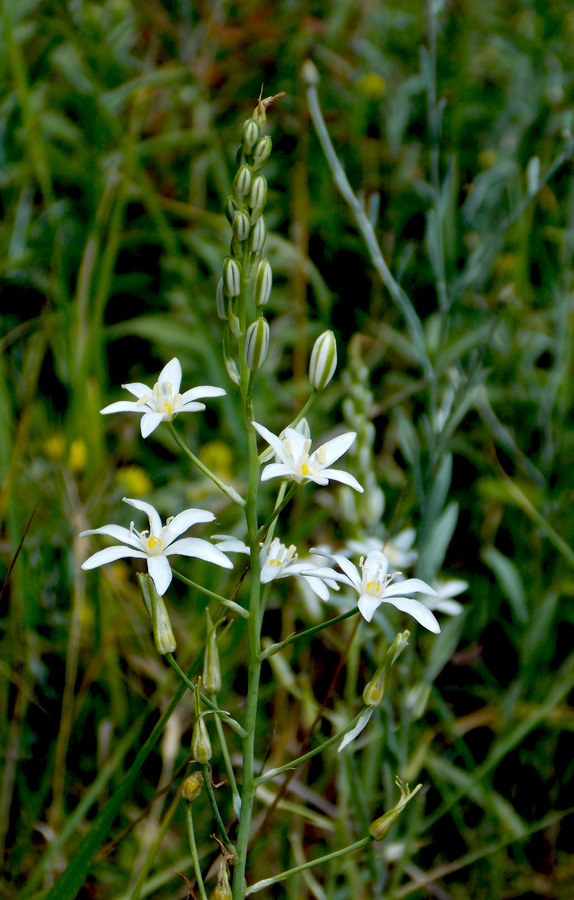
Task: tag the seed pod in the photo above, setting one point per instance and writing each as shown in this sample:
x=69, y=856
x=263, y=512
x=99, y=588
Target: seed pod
x=192, y=786
x=256, y=344
x=230, y=208
x=220, y=301
x=242, y=182
x=231, y=277
x=375, y=691
x=200, y=743
x=223, y=888
x=258, y=197
x=257, y=235
x=249, y=135
x=381, y=826
x=240, y=225
x=323, y=360
x=261, y=152
x=263, y=283
x=163, y=635
x=211, y=670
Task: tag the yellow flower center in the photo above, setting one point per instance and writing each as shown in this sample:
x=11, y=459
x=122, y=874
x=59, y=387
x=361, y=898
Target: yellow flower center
x=168, y=407
x=375, y=585
x=304, y=469
x=153, y=543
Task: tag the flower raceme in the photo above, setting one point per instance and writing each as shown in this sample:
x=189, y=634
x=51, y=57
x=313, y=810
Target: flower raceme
x=163, y=402
x=374, y=584
x=296, y=464
x=157, y=543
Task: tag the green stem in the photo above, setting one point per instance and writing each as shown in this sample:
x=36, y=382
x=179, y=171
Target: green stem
x=195, y=857
x=220, y=713
x=227, y=761
x=235, y=607
x=206, y=769
x=260, y=885
x=309, y=632
x=226, y=488
x=272, y=773
x=277, y=511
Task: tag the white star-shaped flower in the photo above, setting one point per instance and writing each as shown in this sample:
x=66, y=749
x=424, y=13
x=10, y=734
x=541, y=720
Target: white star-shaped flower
x=163, y=401
x=279, y=561
x=295, y=462
x=157, y=543
x=445, y=591
x=374, y=584
x=398, y=549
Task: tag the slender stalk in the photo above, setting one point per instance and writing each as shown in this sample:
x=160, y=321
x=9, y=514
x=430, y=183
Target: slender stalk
x=227, y=761
x=226, y=488
x=309, y=632
x=208, y=784
x=260, y=885
x=199, y=587
x=195, y=857
x=219, y=713
x=277, y=511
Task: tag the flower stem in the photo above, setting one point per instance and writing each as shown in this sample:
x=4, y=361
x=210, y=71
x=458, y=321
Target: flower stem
x=194, y=856
x=278, y=509
x=226, y=488
x=208, y=783
x=260, y=885
x=219, y=713
x=235, y=607
x=309, y=632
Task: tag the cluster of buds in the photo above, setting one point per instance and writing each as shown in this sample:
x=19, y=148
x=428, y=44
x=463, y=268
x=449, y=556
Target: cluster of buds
x=246, y=280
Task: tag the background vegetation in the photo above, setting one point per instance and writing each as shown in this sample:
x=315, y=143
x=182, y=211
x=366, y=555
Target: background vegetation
x=118, y=122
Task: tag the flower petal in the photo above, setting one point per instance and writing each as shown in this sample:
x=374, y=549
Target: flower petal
x=317, y=585
x=171, y=373
x=160, y=571
x=343, y=477
x=183, y=521
x=364, y=720
x=138, y=389
x=199, y=549
x=230, y=544
x=151, y=513
x=110, y=554
x=275, y=442
x=198, y=393
x=368, y=605
x=297, y=441
x=409, y=587
x=123, y=406
x=149, y=422
x=191, y=406
x=333, y=449
x=349, y=569
x=118, y=532
x=276, y=470
x=417, y=610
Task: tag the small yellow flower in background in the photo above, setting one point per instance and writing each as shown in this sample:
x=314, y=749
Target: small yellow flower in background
x=55, y=446
x=373, y=85
x=135, y=480
x=217, y=456
x=77, y=456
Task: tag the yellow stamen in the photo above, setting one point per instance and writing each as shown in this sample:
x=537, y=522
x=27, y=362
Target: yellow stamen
x=304, y=469
x=373, y=584
x=153, y=542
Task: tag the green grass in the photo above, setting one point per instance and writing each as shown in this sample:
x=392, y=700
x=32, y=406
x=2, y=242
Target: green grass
x=119, y=122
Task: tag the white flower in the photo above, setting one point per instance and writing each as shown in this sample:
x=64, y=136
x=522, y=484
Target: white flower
x=374, y=585
x=445, y=591
x=292, y=449
x=398, y=550
x=157, y=543
x=163, y=401
x=279, y=561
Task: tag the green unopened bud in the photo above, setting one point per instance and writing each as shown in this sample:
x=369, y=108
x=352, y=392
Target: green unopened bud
x=323, y=360
x=242, y=181
x=309, y=73
x=263, y=283
x=256, y=344
x=240, y=225
x=381, y=827
x=230, y=207
x=257, y=235
x=163, y=635
x=221, y=301
x=250, y=134
x=231, y=277
x=200, y=743
x=261, y=152
x=222, y=888
x=192, y=786
x=211, y=669
x=258, y=197
x=376, y=689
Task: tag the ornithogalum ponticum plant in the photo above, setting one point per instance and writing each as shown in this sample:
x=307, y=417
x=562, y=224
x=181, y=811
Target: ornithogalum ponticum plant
x=371, y=589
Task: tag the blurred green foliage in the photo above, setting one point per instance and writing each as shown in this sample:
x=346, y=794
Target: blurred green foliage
x=118, y=124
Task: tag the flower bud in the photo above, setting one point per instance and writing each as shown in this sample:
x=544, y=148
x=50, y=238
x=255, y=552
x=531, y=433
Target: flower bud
x=375, y=691
x=192, y=786
x=162, y=631
x=261, y=152
x=242, y=181
x=230, y=208
x=309, y=73
x=381, y=827
x=250, y=134
x=240, y=225
x=200, y=743
x=222, y=888
x=211, y=670
x=263, y=283
x=231, y=277
x=257, y=235
x=323, y=360
x=256, y=344
x=258, y=197
x=220, y=300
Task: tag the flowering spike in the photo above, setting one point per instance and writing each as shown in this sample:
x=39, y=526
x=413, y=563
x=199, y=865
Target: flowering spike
x=256, y=344
x=323, y=360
